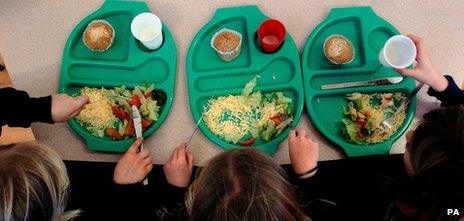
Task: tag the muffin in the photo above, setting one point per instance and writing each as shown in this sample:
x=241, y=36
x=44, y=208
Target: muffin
x=99, y=35
x=338, y=49
x=227, y=43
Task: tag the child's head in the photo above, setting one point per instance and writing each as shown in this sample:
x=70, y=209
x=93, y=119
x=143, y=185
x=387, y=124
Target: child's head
x=242, y=184
x=33, y=183
x=434, y=158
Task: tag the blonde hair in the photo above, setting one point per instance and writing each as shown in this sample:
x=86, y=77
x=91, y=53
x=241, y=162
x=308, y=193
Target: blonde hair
x=242, y=184
x=33, y=184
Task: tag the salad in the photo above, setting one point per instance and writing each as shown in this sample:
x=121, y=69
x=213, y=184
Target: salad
x=109, y=111
x=249, y=116
x=365, y=113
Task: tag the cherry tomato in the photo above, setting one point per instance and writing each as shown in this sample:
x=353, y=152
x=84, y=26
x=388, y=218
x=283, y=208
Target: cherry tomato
x=146, y=123
x=361, y=122
x=120, y=113
x=277, y=119
x=130, y=130
x=248, y=142
x=113, y=133
x=135, y=100
x=149, y=95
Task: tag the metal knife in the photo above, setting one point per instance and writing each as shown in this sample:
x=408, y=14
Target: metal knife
x=138, y=129
x=378, y=81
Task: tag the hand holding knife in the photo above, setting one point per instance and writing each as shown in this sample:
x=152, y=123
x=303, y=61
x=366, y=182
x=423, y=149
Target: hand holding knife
x=137, y=118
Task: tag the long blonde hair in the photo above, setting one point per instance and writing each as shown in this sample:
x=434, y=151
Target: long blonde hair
x=34, y=184
x=242, y=184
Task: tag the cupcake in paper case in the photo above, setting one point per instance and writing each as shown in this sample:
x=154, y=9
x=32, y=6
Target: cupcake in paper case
x=227, y=43
x=338, y=49
x=99, y=35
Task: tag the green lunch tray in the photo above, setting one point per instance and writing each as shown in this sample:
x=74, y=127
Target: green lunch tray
x=126, y=62
x=368, y=33
x=208, y=76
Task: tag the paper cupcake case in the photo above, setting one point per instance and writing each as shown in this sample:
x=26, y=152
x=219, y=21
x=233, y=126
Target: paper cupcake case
x=227, y=55
x=112, y=37
x=349, y=42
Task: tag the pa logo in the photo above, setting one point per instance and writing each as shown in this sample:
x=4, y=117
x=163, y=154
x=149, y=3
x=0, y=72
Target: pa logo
x=452, y=212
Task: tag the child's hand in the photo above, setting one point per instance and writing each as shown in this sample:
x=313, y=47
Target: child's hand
x=303, y=151
x=178, y=169
x=64, y=107
x=424, y=70
x=134, y=166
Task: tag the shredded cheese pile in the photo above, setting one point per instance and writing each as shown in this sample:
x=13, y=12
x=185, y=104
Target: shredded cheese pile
x=232, y=106
x=97, y=115
x=232, y=117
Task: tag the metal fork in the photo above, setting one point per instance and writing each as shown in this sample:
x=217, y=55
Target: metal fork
x=387, y=123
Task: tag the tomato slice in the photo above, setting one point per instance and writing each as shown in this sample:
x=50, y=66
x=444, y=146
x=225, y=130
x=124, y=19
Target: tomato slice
x=146, y=123
x=149, y=95
x=130, y=130
x=248, y=142
x=277, y=119
x=113, y=133
x=120, y=113
x=361, y=122
x=135, y=101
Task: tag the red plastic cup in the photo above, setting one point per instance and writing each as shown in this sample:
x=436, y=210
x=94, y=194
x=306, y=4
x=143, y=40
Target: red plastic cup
x=271, y=34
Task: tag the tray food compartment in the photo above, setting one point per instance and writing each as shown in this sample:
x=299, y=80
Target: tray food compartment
x=120, y=47
x=349, y=27
x=154, y=70
x=269, y=147
x=377, y=38
x=331, y=126
x=205, y=57
x=116, y=145
x=344, y=76
x=277, y=71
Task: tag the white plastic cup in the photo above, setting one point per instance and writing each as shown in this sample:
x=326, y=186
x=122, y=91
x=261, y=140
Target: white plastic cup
x=147, y=28
x=398, y=52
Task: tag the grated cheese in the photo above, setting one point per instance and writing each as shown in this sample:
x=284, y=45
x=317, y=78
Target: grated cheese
x=97, y=115
x=232, y=117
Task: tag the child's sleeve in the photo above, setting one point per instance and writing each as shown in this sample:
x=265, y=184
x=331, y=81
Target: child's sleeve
x=451, y=96
x=17, y=109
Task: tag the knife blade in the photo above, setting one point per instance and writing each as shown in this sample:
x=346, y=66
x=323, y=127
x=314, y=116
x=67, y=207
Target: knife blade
x=137, y=121
x=378, y=81
x=138, y=129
